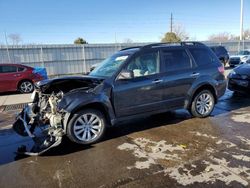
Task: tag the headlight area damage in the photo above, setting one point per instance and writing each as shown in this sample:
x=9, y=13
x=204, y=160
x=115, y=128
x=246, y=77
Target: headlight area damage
x=42, y=120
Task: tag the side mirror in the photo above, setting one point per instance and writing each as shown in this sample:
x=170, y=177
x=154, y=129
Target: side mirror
x=126, y=75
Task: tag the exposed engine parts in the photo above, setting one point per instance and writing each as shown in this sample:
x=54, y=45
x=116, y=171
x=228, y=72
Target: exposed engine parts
x=45, y=119
x=43, y=114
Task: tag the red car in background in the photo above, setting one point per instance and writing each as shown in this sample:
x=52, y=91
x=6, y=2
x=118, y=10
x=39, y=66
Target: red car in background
x=17, y=77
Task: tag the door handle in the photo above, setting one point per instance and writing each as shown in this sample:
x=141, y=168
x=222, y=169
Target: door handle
x=195, y=74
x=16, y=75
x=157, y=81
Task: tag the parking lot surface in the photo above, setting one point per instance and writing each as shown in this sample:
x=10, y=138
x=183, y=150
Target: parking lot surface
x=166, y=150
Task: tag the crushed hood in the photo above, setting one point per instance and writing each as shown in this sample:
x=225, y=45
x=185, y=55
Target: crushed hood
x=67, y=84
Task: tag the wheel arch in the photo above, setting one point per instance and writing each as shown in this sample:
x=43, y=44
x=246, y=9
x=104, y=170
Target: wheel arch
x=95, y=105
x=206, y=86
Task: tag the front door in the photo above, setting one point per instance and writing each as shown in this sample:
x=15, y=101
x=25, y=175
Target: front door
x=143, y=92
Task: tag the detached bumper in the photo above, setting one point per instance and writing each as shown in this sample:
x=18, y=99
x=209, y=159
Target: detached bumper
x=21, y=126
x=26, y=124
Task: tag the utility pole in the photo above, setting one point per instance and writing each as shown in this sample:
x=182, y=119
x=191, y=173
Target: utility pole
x=241, y=20
x=171, y=23
x=241, y=24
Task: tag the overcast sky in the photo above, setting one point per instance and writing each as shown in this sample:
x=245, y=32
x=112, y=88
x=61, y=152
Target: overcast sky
x=107, y=21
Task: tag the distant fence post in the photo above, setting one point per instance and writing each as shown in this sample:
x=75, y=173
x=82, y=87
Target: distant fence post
x=41, y=56
x=84, y=59
x=8, y=53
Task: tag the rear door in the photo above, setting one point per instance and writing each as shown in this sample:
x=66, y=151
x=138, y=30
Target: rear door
x=8, y=78
x=179, y=74
x=143, y=93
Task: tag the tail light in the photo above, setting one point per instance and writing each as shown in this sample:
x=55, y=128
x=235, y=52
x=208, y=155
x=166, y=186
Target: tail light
x=221, y=69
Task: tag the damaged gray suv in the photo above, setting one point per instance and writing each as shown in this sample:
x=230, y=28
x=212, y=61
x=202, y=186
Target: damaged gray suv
x=134, y=82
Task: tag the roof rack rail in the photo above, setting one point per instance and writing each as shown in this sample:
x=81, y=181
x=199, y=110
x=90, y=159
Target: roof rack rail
x=186, y=43
x=131, y=48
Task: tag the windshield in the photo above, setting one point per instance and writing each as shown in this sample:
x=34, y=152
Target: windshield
x=244, y=52
x=109, y=66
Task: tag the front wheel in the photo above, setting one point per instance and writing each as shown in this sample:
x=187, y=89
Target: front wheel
x=86, y=127
x=202, y=104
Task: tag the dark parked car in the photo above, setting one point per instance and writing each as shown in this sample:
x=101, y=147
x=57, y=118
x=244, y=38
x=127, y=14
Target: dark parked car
x=239, y=79
x=15, y=77
x=221, y=53
x=134, y=82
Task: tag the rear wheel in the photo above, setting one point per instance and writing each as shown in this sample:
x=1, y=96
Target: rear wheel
x=86, y=126
x=26, y=86
x=202, y=104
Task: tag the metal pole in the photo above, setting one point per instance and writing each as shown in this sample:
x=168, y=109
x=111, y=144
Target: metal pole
x=241, y=20
x=84, y=59
x=42, y=60
x=171, y=23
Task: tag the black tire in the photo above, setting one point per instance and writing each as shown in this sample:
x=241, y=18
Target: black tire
x=196, y=111
x=73, y=126
x=26, y=86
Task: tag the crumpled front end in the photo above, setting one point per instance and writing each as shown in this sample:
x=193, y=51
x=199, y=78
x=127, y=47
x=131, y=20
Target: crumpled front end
x=42, y=120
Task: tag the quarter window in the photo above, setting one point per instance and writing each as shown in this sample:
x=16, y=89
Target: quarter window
x=175, y=60
x=20, y=69
x=203, y=56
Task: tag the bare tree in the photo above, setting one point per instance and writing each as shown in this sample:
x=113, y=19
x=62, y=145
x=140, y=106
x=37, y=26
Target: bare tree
x=128, y=40
x=247, y=34
x=15, y=38
x=221, y=37
x=180, y=31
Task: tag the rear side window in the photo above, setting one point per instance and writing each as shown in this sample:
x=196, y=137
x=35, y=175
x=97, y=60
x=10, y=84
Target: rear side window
x=174, y=60
x=203, y=56
x=7, y=69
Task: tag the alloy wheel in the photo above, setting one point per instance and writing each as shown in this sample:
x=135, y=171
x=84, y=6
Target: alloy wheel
x=26, y=87
x=87, y=127
x=204, y=103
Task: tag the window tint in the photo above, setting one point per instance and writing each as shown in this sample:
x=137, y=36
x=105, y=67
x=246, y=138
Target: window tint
x=203, y=56
x=20, y=69
x=174, y=60
x=7, y=69
x=146, y=64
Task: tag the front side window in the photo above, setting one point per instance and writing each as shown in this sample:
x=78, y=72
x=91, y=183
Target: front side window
x=7, y=69
x=175, y=60
x=145, y=64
